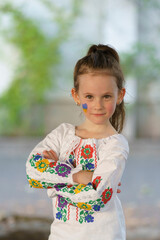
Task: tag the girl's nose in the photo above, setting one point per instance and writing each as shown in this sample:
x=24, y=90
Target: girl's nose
x=98, y=104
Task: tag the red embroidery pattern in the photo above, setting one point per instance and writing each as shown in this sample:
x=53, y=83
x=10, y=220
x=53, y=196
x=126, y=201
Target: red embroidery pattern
x=87, y=152
x=69, y=211
x=77, y=214
x=107, y=194
x=96, y=182
x=78, y=153
x=74, y=146
x=95, y=152
x=53, y=164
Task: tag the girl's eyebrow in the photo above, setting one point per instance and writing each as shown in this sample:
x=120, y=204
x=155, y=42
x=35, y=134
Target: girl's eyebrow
x=106, y=93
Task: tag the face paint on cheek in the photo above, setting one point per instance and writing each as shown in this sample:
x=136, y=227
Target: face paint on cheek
x=84, y=106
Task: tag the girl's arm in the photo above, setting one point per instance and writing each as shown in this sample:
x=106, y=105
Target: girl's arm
x=81, y=177
x=84, y=177
x=45, y=172
x=103, y=187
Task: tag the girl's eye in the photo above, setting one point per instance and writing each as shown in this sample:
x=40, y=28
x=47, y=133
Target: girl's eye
x=89, y=96
x=107, y=96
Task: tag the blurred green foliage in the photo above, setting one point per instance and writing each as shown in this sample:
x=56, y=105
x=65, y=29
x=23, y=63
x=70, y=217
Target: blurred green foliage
x=22, y=106
x=142, y=63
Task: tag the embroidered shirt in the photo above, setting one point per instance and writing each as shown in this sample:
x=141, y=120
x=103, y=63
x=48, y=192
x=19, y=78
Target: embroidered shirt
x=92, y=211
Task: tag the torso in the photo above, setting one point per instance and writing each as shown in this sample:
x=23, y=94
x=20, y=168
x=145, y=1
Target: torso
x=87, y=148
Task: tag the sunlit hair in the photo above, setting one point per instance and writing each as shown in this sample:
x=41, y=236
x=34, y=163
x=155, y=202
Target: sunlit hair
x=103, y=59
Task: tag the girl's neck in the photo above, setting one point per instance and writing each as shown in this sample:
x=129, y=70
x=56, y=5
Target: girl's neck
x=90, y=130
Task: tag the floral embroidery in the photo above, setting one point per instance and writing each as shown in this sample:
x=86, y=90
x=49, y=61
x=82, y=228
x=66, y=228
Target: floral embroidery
x=35, y=183
x=71, y=158
x=61, y=202
x=61, y=209
x=52, y=164
x=84, y=206
x=87, y=151
x=96, y=182
x=42, y=165
x=59, y=215
x=89, y=218
x=63, y=170
x=69, y=186
x=85, y=216
x=37, y=157
x=59, y=186
x=82, y=215
x=47, y=185
x=107, y=194
x=86, y=158
x=89, y=166
x=96, y=208
x=85, y=210
x=79, y=188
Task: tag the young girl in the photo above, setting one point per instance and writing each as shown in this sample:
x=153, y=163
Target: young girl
x=81, y=166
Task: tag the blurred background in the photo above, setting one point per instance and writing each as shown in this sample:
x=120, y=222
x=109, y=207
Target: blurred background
x=41, y=40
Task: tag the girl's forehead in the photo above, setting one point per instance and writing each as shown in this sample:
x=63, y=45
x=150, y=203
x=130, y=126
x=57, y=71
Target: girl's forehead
x=97, y=82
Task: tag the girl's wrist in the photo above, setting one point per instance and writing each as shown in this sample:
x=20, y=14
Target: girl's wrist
x=74, y=176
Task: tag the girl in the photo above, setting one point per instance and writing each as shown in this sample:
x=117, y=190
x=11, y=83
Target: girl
x=81, y=166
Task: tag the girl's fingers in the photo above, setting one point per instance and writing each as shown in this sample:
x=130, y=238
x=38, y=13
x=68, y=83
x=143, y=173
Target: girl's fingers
x=54, y=155
x=50, y=155
x=118, y=190
x=45, y=154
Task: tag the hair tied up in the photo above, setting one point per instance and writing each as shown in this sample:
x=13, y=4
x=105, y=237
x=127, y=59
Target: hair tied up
x=106, y=50
x=103, y=59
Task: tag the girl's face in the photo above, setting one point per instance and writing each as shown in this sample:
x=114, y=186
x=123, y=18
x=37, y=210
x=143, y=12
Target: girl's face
x=98, y=95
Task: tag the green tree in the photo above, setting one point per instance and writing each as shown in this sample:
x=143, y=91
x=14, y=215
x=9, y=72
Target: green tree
x=23, y=104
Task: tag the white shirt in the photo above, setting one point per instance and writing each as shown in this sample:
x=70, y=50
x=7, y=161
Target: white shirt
x=92, y=211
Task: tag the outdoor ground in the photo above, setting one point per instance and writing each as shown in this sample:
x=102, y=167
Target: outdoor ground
x=27, y=214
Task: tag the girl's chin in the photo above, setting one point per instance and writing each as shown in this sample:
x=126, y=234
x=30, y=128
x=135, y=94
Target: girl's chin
x=98, y=121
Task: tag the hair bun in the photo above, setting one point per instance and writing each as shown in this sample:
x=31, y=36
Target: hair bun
x=103, y=49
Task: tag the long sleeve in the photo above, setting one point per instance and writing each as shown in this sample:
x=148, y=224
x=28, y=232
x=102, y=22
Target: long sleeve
x=45, y=173
x=97, y=195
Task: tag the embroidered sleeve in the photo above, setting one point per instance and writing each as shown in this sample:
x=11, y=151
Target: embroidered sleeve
x=103, y=188
x=45, y=173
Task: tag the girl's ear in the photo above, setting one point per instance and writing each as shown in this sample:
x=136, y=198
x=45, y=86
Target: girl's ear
x=75, y=96
x=121, y=95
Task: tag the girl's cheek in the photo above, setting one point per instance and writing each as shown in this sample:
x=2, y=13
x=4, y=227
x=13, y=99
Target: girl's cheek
x=111, y=109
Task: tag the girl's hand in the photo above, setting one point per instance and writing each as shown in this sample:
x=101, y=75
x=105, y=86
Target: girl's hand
x=84, y=177
x=50, y=155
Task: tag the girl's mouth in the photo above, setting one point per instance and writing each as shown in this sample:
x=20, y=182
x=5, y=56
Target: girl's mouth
x=99, y=114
